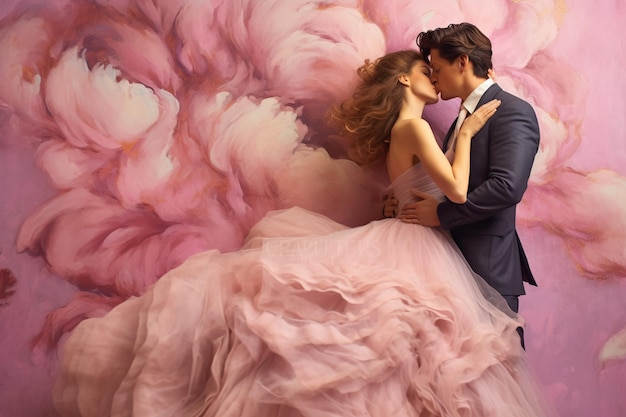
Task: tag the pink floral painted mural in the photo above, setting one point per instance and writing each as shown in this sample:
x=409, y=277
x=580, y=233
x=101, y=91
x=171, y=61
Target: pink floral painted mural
x=135, y=133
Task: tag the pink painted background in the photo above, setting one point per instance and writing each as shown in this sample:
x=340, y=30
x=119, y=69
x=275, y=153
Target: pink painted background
x=136, y=133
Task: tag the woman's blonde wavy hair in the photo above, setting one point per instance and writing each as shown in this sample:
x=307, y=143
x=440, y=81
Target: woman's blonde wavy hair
x=367, y=118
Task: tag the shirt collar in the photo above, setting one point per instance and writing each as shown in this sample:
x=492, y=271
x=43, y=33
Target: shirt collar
x=472, y=100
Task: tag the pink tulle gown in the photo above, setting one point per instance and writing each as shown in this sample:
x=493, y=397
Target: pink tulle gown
x=310, y=318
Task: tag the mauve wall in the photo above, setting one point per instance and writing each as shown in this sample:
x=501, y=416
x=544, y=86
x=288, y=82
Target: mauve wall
x=136, y=133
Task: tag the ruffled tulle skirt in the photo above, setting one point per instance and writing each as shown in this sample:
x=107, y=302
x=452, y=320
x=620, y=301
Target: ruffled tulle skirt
x=310, y=318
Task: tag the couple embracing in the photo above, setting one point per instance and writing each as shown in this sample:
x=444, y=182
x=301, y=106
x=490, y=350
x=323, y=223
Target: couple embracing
x=395, y=322
x=483, y=226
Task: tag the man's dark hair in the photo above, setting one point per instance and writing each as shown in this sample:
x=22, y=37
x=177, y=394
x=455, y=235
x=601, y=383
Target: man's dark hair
x=455, y=40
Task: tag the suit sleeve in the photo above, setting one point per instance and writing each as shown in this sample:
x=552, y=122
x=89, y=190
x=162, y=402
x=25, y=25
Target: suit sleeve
x=513, y=144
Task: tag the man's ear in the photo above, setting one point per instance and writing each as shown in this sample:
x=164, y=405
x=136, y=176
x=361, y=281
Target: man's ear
x=463, y=62
x=404, y=80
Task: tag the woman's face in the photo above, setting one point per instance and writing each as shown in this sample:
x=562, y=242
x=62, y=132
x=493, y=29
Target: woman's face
x=421, y=86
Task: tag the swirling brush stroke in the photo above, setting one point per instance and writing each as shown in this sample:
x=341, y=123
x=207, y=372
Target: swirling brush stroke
x=161, y=148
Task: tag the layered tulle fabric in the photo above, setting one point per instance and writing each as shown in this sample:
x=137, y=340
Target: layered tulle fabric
x=310, y=318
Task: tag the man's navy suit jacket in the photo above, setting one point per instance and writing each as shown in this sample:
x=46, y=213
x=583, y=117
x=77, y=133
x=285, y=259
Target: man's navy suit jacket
x=502, y=155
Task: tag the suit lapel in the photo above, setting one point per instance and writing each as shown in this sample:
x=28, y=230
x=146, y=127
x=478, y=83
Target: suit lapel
x=489, y=95
x=449, y=135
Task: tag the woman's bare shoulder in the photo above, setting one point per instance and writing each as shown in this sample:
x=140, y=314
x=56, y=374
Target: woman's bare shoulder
x=410, y=129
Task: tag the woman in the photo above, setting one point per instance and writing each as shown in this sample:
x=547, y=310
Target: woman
x=312, y=318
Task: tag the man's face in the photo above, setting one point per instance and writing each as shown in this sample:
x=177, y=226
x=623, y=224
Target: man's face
x=446, y=76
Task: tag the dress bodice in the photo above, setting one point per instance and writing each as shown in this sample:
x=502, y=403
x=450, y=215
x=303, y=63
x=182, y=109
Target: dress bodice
x=414, y=178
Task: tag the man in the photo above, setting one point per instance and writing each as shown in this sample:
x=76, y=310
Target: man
x=502, y=156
